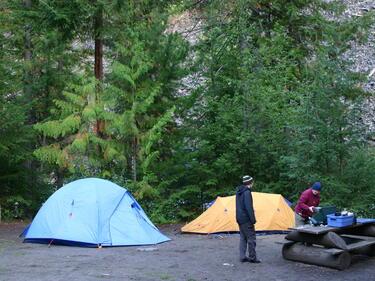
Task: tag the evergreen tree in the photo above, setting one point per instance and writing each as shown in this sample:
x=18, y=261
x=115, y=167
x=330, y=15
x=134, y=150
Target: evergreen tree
x=114, y=128
x=255, y=58
x=16, y=136
x=70, y=27
x=54, y=25
x=328, y=131
x=140, y=94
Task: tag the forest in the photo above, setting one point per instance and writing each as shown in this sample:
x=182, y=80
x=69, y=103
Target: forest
x=109, y=89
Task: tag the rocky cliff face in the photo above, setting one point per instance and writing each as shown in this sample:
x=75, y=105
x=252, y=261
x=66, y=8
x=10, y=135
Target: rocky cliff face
x=363, y=56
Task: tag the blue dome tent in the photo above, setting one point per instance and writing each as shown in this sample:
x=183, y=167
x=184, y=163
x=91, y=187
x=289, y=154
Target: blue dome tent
x=92, y=212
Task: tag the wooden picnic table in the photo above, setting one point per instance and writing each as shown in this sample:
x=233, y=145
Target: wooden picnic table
x=329, y=246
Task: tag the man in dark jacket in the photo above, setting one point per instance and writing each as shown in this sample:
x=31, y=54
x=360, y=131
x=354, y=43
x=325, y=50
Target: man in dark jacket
x=246, y=219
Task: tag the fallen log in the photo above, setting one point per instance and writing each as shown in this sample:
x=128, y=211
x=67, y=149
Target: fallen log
x=337, y=259
x=330, y=239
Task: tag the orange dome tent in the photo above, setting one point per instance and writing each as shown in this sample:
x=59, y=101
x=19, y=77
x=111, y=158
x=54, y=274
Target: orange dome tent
x=271, y=211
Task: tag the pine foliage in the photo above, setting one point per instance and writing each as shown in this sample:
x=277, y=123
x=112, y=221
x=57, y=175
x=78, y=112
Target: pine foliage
x=265, y=91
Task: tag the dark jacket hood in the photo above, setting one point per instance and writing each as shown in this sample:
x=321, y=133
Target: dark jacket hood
x=241, y=189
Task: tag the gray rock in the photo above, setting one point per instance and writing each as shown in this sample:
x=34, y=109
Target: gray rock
x=147, y=249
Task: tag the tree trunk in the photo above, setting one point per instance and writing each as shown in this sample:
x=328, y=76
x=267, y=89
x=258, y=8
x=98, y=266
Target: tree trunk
x=27, y=53
x=28, y=81
x=98, y=26
x=98, y=67
x=27, y=58
x=134, y=159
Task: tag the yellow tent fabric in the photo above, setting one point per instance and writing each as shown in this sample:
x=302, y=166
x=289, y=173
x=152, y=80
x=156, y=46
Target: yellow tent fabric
x=271, y=211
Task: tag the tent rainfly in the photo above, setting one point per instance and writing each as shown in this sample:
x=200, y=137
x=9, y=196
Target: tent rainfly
x=271, y=211
x=92, y=212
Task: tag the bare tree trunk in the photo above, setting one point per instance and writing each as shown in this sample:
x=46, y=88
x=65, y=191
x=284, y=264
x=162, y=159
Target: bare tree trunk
x=59, y=177
x=27, y=54
x=98, y=27
x=28, y=76
x=98, y=64
x=134, y=159
x=245, y=89
x=27, y=58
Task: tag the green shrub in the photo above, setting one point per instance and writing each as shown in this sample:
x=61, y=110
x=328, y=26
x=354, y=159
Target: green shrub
x=15, y=207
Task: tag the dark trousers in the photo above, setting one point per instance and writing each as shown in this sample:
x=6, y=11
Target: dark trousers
x=247, y=240
x=300, y=220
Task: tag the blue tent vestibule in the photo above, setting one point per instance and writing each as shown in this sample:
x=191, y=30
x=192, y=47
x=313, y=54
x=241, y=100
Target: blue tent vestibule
x=92, y=212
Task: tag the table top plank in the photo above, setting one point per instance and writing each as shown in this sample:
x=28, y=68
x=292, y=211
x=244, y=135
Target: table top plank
x=359, y=237
x=324, y=229
x=360, y=244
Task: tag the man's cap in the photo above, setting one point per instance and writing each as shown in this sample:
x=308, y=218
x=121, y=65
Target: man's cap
x=317, y=186
x=247, y=179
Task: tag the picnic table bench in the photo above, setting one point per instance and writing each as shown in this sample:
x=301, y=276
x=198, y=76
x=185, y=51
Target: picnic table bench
x=330, y=246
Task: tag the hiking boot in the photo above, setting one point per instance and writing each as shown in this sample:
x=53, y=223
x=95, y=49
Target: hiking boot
x=245, y=260
x=255, y=261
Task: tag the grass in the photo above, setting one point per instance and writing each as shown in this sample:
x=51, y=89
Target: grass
x=20, y=253
x=103, y=276
x=2, y=271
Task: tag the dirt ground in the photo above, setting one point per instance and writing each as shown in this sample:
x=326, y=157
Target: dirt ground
x=186, y=258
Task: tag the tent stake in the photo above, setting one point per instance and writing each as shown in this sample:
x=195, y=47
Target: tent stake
x=49, y=245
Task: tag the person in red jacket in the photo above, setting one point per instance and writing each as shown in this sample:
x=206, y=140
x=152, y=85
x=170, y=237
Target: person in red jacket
x=309, y=199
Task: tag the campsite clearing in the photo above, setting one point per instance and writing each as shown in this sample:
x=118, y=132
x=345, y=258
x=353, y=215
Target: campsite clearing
x=187, y=257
